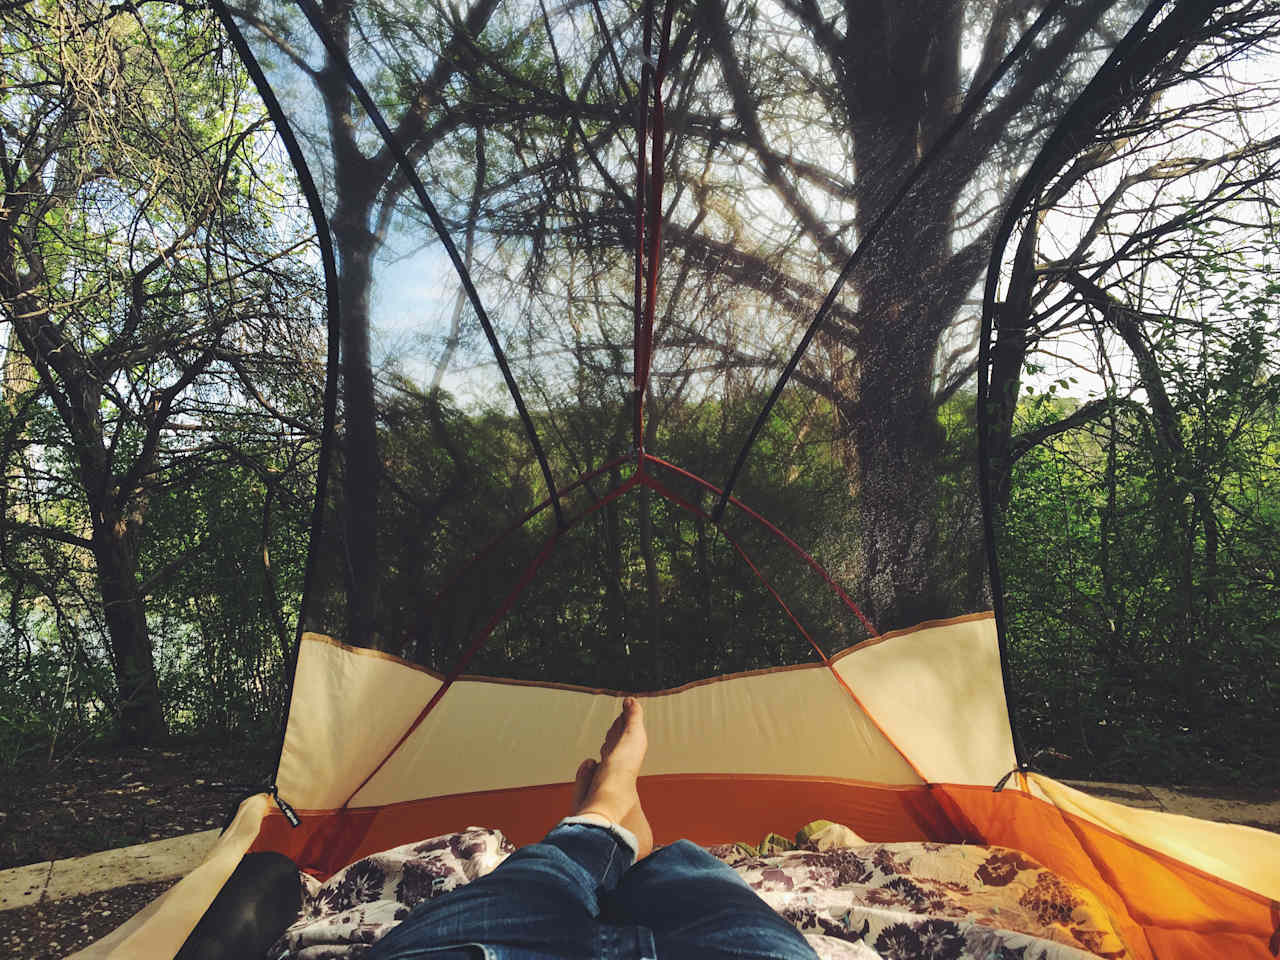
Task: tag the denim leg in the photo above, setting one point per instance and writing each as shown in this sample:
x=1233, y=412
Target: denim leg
x=543, y=900
x=699, y=908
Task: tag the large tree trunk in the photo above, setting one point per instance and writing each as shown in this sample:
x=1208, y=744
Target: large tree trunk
x=140, y=711
x=910, y=566
x=78, y=395
x=357, y=182
x=896, y=442
x=116, y=523
x=360, y=465
x=902, y=87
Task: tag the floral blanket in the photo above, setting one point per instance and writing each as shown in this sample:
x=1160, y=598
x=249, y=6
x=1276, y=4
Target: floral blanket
x=893, y=901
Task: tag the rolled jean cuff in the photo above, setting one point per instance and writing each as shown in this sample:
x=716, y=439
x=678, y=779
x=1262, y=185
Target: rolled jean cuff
x=619, y=832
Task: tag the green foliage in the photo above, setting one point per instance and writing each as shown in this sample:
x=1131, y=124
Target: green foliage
x=53, y=701
x=641, y=590
x=1141, y=586
x=228, y=553
x=159, y=373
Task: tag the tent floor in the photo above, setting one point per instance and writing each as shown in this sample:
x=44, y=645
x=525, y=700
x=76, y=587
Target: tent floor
x=56, y=907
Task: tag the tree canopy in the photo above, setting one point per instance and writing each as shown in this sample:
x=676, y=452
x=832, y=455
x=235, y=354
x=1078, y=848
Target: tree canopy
x=153, y=276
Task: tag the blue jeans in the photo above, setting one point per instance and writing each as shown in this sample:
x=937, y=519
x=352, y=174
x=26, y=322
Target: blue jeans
x=577, y=896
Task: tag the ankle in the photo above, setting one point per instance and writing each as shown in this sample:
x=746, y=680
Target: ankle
x=608, y=818
x=621, y=834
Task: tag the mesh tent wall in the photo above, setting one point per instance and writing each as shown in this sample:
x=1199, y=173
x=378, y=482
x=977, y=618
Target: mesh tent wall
x=697, y=421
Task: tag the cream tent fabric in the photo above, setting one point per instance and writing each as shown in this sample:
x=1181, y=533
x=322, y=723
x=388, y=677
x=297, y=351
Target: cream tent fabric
x=937, y=692
x=350, y=713
x=731, y=725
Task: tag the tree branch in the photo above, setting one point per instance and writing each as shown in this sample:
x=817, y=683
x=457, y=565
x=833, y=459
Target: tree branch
x=47, y=533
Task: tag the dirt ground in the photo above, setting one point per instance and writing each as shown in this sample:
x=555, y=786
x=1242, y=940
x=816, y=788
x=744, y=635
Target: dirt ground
x=107, y=797
x=112, y=797
x=50, y=931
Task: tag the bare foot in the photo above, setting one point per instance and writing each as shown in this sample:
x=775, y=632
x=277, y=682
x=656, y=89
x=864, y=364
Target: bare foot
x=609, y=787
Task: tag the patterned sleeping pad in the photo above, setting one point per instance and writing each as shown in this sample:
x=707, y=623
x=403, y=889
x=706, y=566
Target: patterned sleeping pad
x=895, y=901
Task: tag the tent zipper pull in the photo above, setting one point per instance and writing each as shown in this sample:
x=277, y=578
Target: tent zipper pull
x=289, y=813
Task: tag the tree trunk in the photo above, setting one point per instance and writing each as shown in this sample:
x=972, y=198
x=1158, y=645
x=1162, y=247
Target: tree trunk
x=360, y=466
x=1008, y=355
x=902, y=87
x=653, y=605
x=141, y=715
x=357, y=182
x=611, y=570
x=362, y=183
x=77, y=393
x=896, y=441
x=116, y=523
